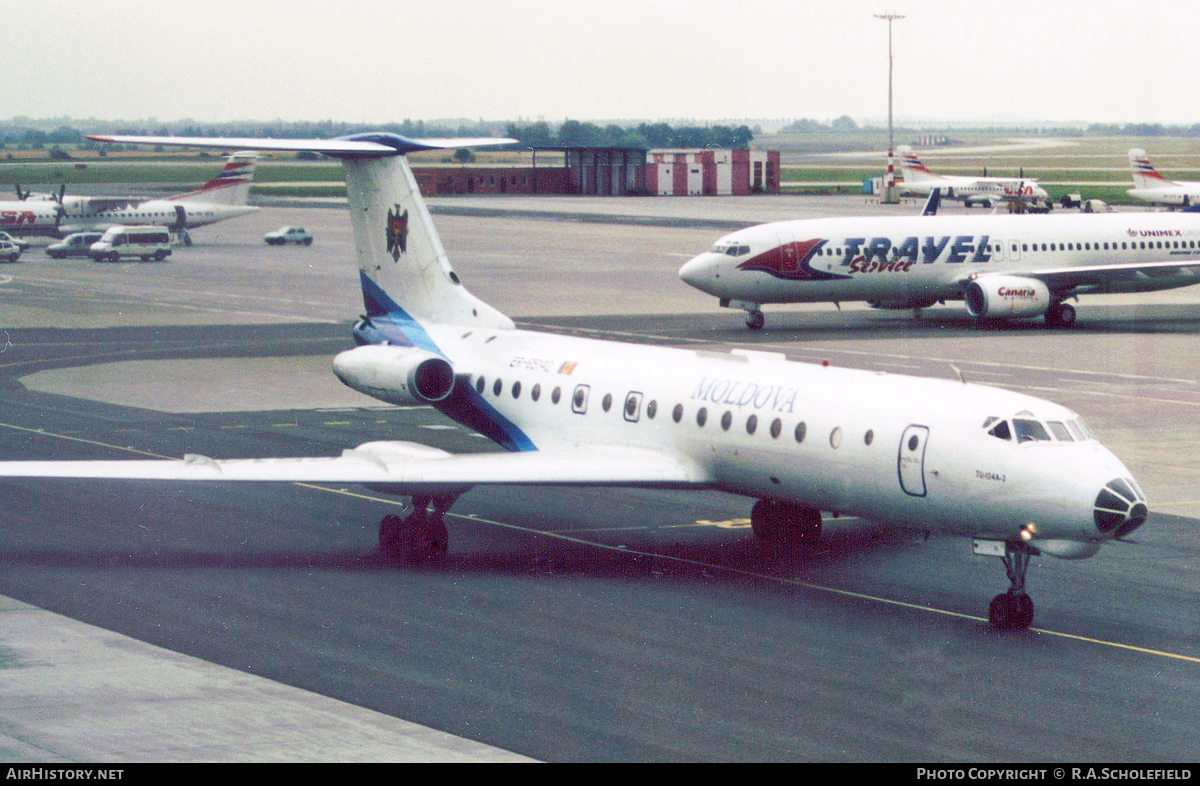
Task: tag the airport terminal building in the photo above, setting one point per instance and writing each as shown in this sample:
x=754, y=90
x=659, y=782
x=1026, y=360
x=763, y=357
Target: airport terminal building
x=614, y=171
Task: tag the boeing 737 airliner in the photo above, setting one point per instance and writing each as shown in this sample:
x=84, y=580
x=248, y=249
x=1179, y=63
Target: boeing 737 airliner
x=221, y=198
x=1020, y=475
x=1003, y=266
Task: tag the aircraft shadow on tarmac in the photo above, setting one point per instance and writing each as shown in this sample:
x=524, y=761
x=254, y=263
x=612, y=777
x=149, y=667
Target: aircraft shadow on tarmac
x=735, y=555
x=725, y=327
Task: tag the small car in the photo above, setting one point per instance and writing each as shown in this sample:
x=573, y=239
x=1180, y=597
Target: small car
x=9, y=252
x=20, y=243
x=298, y=235
x=77, y=244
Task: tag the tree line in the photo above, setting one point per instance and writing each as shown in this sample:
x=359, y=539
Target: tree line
x=22, y=132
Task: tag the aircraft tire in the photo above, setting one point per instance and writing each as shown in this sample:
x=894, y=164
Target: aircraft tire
x=420, y=537
x=765, y=520
x=1011, y=611
x=1060, y=315
x=755, y=320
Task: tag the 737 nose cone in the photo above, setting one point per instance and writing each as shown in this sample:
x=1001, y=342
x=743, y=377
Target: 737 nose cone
x=699, y=272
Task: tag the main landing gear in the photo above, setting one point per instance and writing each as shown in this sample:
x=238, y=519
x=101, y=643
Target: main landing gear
x=755, y=319
x=1013, y=610
x=418, y=537
x=773, y=520
x=1060, y=315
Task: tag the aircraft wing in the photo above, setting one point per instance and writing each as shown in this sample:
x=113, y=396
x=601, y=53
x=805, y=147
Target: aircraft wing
x=402, y=468
x=1061, y=278
x=100, y=204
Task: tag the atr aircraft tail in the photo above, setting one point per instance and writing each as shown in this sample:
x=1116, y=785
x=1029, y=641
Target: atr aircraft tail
x=405, y=273
x=231, y=186
x=911, y=167
x=1145, y=175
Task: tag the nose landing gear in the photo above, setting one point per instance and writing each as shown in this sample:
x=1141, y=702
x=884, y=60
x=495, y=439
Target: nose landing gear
x=418, y=537
x=1013, y=610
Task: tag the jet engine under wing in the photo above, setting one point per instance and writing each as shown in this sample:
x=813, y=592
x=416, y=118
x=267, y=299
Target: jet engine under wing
x=402, y=468
x=1173, y=273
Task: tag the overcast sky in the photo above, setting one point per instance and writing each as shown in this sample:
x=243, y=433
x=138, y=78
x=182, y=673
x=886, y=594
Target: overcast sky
x=389, y=60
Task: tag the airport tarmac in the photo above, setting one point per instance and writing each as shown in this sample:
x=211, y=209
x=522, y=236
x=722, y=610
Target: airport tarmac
x=566, y=624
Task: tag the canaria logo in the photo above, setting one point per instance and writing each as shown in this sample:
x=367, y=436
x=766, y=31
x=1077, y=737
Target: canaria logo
x=397, y=233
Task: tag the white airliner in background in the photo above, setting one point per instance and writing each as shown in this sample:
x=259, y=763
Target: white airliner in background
x=219, y=199
x=985, y=191
x=1018, y=474
x=1149, y=185
x=1003, y=266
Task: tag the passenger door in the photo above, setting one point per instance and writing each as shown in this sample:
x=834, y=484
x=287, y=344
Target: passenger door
x=911, y=460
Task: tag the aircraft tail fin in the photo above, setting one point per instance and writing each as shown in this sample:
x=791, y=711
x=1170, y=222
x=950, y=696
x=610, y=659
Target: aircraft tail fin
x=1144, y=174
x=933, y=202
x=911, y=167
x=231, y=186
x=402, y=264
x=407, y=280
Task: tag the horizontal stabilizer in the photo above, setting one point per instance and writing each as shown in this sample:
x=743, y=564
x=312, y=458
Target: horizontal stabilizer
x=371, y=145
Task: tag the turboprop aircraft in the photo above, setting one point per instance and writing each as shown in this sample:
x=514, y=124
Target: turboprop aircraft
x=985, y=191
x=1149, y=185
x=1019, y=475
x=1003, y=266
x=219, y=199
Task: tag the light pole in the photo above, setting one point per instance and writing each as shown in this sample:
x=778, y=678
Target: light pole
x=889, y=191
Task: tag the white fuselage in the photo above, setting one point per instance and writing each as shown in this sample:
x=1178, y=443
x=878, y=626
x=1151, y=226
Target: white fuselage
x=909, y=261
x=896, y=449
x=1180, y=194
x=41, y=216
x=965, y=188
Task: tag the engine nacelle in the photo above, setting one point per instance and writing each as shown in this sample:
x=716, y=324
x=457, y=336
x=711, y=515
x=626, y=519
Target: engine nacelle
x=1007, y=296
x=398, y=375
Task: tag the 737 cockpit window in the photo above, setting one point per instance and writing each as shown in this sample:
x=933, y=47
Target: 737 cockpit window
x=731, y=249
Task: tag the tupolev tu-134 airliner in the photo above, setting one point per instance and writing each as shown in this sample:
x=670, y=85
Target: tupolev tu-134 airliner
x=1019, y=475
x=1002, y=266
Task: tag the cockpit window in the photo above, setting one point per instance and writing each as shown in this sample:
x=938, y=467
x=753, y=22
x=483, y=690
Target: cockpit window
x=1087, y=432
x=1075, y=431
x=1030, y=431
x=1060, y=431
x=731, y=249
x=1000, y=430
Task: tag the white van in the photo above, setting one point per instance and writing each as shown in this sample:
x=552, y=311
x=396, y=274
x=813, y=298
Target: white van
x=145, y=242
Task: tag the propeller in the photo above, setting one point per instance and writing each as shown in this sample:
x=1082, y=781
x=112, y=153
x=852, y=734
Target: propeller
x=60, y=211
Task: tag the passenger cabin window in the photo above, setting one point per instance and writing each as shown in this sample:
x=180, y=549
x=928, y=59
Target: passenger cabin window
x=633, y=407
x=579, y=399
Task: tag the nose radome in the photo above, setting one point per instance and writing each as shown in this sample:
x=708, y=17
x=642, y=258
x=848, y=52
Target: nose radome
x=693, y=270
